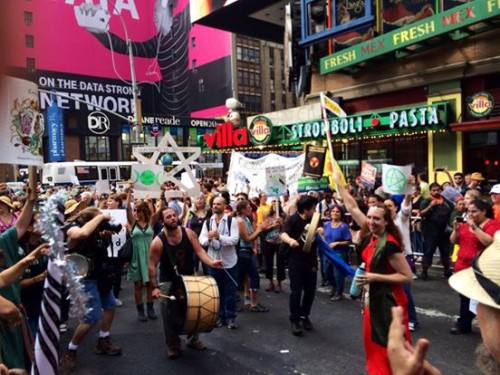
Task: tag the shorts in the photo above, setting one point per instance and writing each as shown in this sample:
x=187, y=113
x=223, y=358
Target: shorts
x=97, y=302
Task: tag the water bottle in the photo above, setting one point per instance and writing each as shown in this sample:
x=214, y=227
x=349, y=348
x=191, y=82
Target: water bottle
x=355, y=289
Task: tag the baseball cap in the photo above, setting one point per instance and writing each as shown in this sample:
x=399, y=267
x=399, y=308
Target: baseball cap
x=495, y=189
x=481, y=282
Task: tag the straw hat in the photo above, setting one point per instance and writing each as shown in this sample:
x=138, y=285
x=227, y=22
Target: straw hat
x=70, y=206
x=477, y=176
x=6, y=200
x=482, y=281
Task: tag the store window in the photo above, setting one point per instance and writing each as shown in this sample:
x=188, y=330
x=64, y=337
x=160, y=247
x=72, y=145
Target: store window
x=97, y=148
x=482, y=154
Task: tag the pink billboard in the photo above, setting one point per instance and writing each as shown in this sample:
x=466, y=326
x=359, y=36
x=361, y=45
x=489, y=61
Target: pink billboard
x=80, y=47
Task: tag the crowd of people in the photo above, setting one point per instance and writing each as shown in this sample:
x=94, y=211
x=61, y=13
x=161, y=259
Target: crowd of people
x=234, y=238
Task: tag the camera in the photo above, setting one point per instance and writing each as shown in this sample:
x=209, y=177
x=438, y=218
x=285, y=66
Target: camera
x=460, y=219
x=439, y=170
x=106, y=225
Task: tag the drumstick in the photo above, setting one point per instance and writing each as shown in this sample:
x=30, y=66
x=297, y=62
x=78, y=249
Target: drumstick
x=171, y=298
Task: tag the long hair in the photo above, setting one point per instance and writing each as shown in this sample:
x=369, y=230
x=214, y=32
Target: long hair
x=144, y=208
x=390, y=228
x=241, y=206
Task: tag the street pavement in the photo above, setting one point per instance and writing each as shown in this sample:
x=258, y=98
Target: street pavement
x=263, y=344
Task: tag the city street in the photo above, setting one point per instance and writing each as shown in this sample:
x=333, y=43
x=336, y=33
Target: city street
x=263, y=343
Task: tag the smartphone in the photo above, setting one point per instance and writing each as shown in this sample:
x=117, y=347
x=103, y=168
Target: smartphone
x=460, y=219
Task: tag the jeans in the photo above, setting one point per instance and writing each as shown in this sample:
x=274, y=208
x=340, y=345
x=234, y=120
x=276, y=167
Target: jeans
x=226, y=282
x=172, y=338
x=431, y=242
x=464, y=321
x=338, y=273
x=269, y=249
x=303, y=288
x=97, y=301
x=417, y=244
x=327, y=271
x=412, y=312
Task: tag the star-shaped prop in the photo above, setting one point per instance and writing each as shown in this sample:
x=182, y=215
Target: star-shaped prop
x=168, y=145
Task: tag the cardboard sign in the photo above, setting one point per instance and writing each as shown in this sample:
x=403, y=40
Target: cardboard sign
x=395, y=179
x=117, y=239
x=147, y=179
x=315, y=161
x=22, y=125
x=276, y=181
x=307, y=184
x=368, y=174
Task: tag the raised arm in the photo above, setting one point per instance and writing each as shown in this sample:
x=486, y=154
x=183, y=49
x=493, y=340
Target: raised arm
x=24, y=220
x=13, y=273
x=349, y=201
x=130, y=214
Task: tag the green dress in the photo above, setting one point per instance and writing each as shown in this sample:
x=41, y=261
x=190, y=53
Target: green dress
x=141, y=239
x=12, y=346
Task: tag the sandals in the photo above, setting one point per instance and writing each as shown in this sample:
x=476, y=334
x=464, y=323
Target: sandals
x=258, y=308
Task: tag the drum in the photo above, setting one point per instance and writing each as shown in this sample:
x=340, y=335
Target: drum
x=196, y=307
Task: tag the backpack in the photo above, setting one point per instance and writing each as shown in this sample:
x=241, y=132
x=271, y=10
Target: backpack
x=439, y=216
x=229, y=221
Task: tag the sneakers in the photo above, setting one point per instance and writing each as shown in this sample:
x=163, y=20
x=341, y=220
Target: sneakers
x=220, y=322
x=258, y=308
x=336, y=297
x=67, y=363
x=196, y=345
x=231, y=324
x=151, y=311
x=412, y=326
x=306, y=323
x=118, y=302
x=296, y=329
x=173, y=352
x=424, y=276
x=105, y=346
x=459, y=331
x=63, y=327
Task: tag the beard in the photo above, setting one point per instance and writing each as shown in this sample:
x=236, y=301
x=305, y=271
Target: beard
x=485, y=361
x=171, y=226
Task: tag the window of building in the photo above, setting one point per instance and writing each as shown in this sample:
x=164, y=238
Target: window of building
x=97, y=148
x=239, y=55
x=195, y=65
x=193, y=42
x=30, y=64
x=29, y=41
x=28, y=18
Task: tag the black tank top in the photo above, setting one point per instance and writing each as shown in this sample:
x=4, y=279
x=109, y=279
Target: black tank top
x=181, y=255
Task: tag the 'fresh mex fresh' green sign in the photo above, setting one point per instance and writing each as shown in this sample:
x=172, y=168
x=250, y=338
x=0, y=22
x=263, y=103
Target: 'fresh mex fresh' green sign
x=445, y=22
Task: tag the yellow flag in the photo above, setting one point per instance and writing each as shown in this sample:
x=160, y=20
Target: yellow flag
x=328, y=171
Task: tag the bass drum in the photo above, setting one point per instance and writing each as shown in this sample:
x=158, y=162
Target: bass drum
x=196, y=305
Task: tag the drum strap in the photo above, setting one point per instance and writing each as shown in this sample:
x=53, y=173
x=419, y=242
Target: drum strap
x=169, y=253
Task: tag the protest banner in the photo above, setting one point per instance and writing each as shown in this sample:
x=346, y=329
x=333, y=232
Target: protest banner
x=276, y=181
x=368, y=174
x=117, y=239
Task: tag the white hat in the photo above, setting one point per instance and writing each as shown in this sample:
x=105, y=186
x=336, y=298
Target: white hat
x=495, y=189
x=481, y=282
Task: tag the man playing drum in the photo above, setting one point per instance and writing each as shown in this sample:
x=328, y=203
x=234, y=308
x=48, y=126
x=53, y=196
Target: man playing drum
x=173, y=248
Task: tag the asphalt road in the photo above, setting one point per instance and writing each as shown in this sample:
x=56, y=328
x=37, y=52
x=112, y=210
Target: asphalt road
x=263, y=343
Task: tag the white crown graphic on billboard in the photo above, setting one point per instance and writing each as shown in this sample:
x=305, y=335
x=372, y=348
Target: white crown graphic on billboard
x=92, y=17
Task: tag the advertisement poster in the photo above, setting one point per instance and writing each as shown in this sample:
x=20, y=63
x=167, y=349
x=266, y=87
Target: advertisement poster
x=368, y=174
x=395, y=179
x=117, y=239
x=397, y=13
x=95, y=65
x=347, y=12
x=55, y=131
x=22, y=126
x=315, y=161
x=448, y=4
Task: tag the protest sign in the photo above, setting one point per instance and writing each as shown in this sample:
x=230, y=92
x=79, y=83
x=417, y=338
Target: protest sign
x=117, y=239
x=276, y=181
x=395, y=179
x=368, y=174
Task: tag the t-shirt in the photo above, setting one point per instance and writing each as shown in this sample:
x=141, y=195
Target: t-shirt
x=294, y=227
x=340, y=233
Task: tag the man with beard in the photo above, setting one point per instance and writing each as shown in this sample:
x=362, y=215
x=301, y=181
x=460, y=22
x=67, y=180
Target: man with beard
x=173, y=248
x=481, y=283
x=302, y=266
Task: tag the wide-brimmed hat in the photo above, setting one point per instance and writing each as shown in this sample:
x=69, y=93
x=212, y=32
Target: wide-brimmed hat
x=481, y=282
x=71, y=205
x=477, y=176
x=6, y=200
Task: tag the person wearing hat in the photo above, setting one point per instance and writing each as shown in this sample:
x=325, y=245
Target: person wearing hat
x=476, y=179
x=72, y=207
x=7, y=216
x=495, y=200
x=480, y=283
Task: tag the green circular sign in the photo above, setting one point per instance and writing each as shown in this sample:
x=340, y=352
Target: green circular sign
x=395, y=180
x=147, y=178
x=260, y=130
